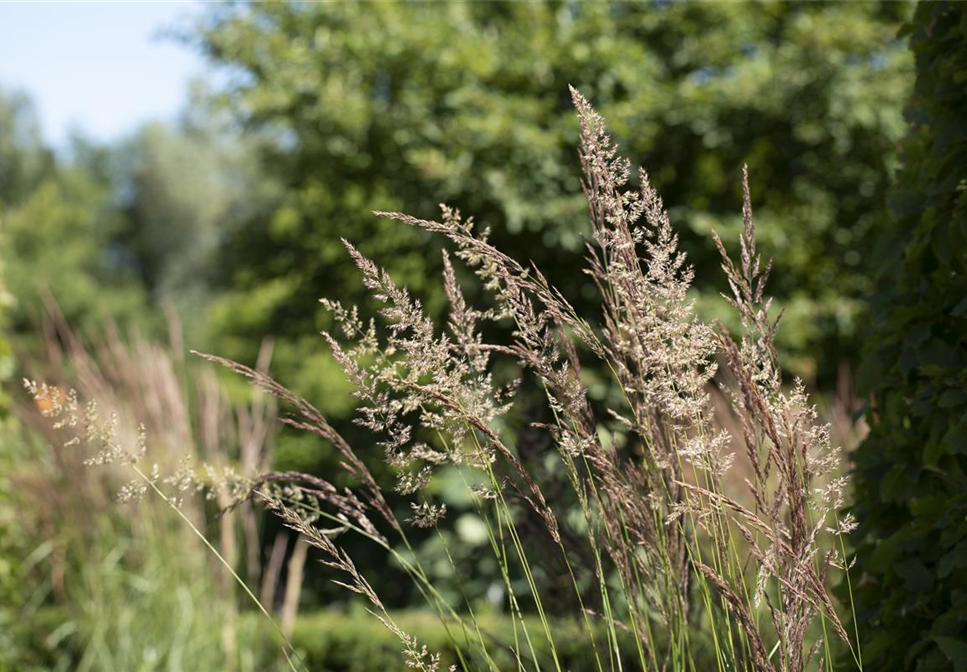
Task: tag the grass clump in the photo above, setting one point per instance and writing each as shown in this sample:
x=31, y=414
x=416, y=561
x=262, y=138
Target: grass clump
x=663, y=569
x=126, y=587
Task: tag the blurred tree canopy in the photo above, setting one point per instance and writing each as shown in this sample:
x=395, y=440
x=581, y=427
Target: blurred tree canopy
x=58, y=225
x=180, y=191
x=115, y=231
x=400, y=105
x=24, y=160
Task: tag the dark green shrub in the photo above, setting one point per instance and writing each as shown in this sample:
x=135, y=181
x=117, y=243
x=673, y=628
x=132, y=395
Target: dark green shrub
x=330, y=641
x=911, y=472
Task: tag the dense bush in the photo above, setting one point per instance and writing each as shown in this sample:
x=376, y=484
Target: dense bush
x=911, y=472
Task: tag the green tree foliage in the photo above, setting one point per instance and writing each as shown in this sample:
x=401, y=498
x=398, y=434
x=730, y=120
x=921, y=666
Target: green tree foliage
x=911, y=472
x=24, y=160
x=403, y=105
x=58, y=241
x=6, y=354
x=180, y=190
x=59, y=227
x=175, y=203
x=108, y=231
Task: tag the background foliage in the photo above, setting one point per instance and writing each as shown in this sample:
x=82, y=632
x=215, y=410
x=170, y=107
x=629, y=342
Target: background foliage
x=911, y=472
x=399, y=106
x=115, y=232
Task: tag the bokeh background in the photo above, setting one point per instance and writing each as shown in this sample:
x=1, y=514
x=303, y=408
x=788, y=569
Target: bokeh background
x=178, y=176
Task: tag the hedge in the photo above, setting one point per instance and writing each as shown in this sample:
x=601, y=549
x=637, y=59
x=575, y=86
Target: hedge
x=330, y=641
x=911, y=471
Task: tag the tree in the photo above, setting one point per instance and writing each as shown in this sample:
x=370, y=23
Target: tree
x=111, y=230
x=180, y=189
x=59, y=228
x=23, y=163
x=59, y=241
x=911, y=472
x=403, y=105
x=24, y=160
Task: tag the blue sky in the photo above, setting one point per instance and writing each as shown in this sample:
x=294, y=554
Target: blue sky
x=100, y=67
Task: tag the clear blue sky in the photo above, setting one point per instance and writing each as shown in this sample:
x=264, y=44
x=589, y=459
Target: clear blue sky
x=100, y=67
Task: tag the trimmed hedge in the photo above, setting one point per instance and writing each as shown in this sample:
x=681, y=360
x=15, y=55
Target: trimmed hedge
x=911, y=472
x=331, y=641
x=354, y=641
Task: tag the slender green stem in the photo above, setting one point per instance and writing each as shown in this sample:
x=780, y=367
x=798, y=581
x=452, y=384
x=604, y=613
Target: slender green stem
x=287, y=647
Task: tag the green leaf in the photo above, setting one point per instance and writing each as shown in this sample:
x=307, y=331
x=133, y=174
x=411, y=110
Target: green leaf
x=953, y=559
x=951, y=398
x=937, y=352
x=955, y=440
x=915, y=574
x=955, y=650
x=869, y=376
x=960, y=308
